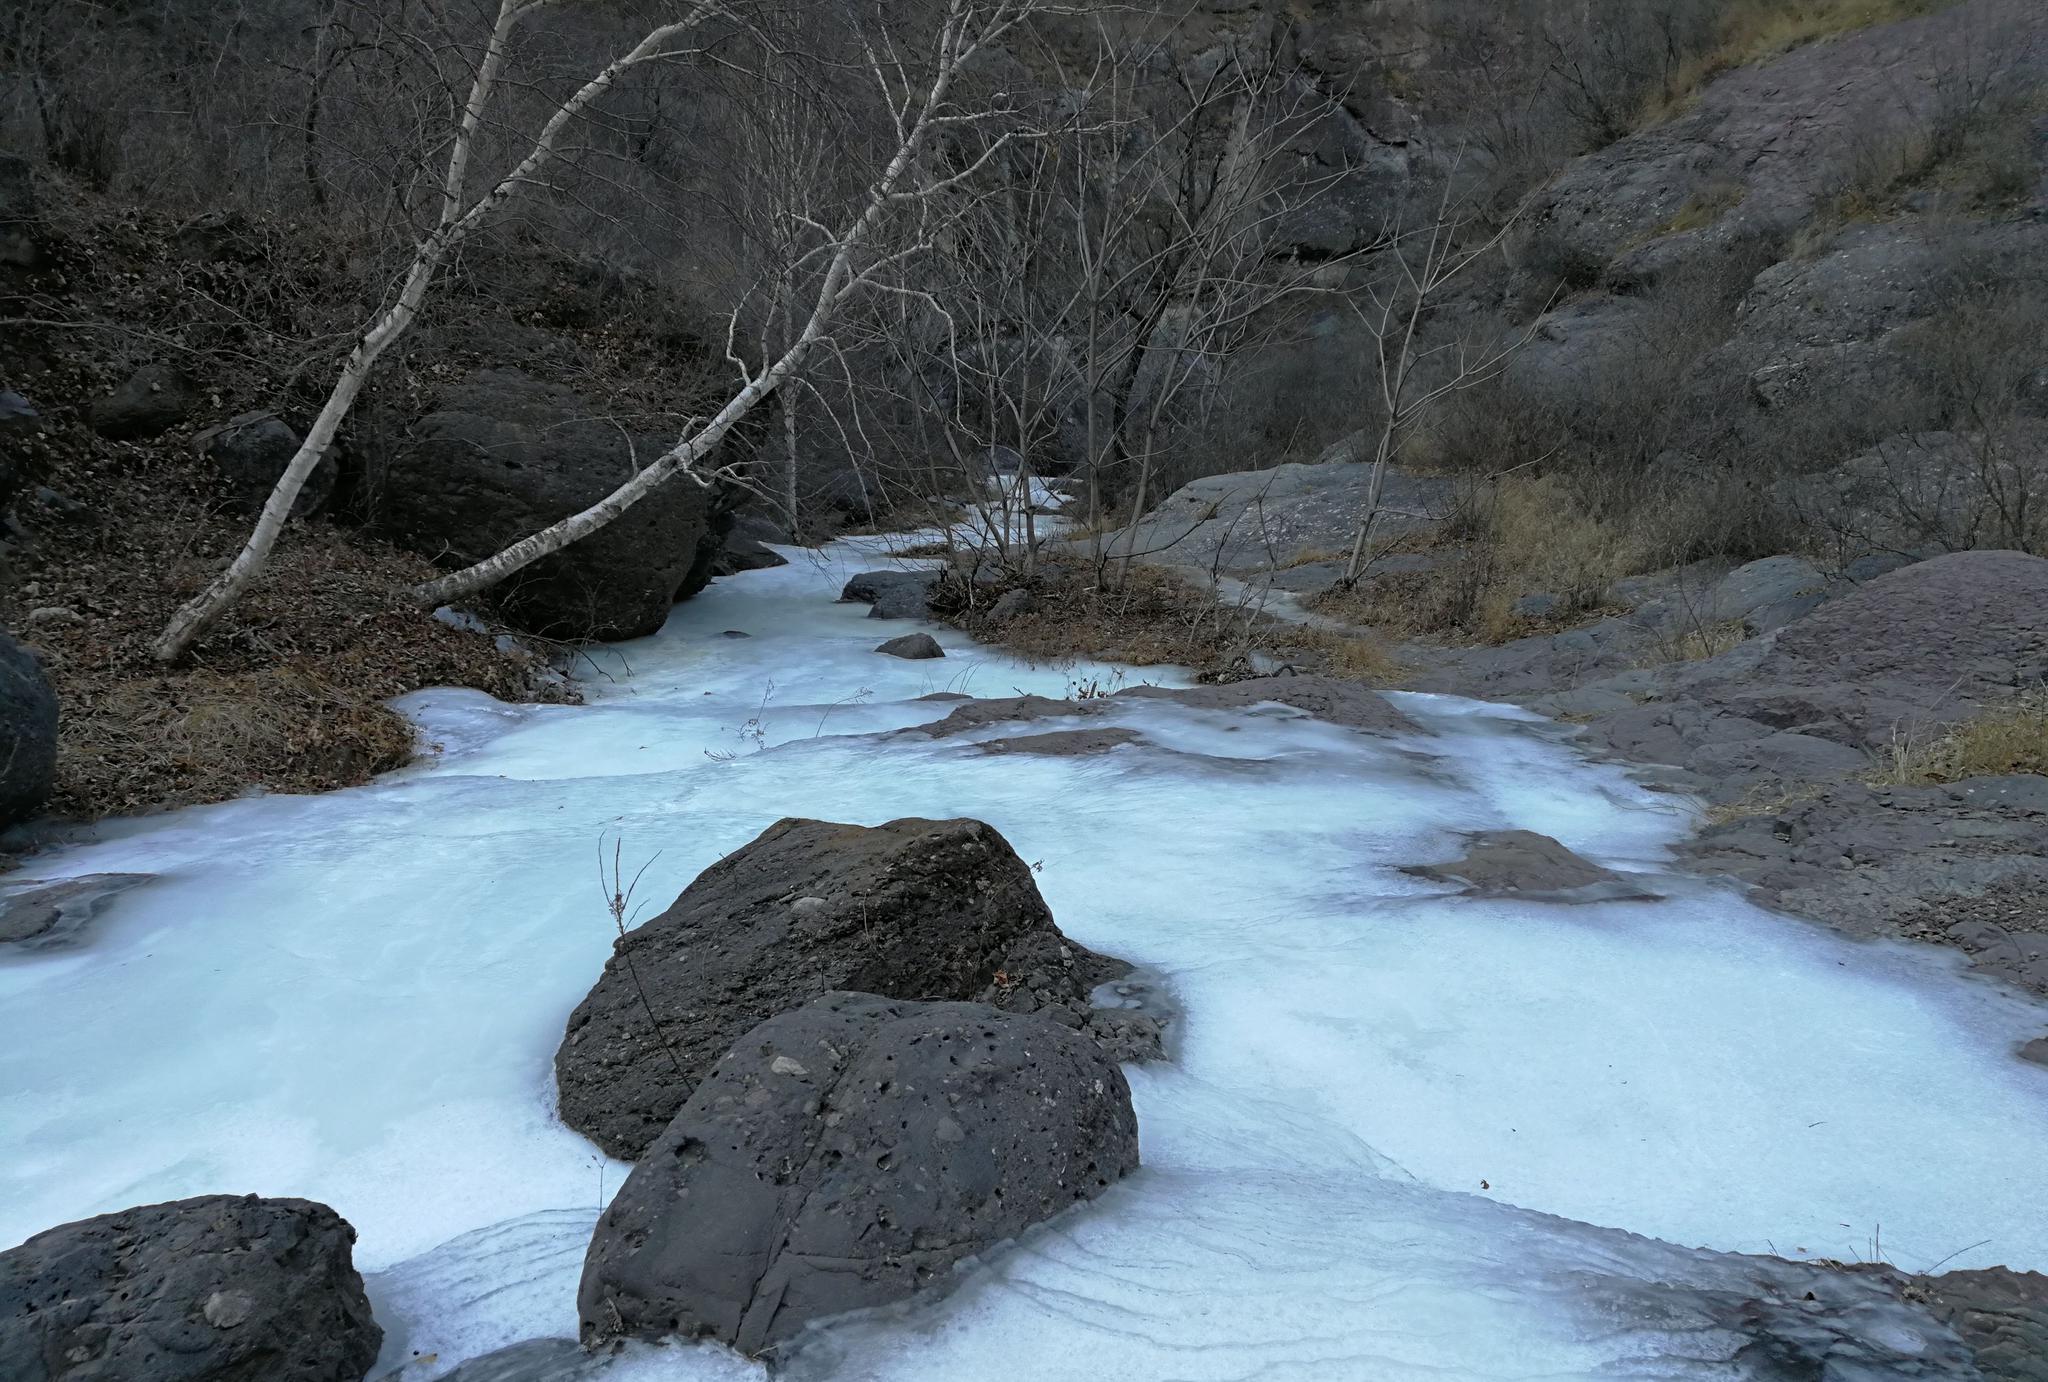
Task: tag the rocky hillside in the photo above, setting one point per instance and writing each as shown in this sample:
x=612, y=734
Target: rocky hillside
x=1753, y=281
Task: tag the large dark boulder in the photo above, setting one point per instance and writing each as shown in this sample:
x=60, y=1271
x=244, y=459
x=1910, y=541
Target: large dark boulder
x=847, y=1155
x=504, y=455
x=149, y=402
x=222, y=1288
x=892, y=594
x=914, y=647
x=911, y=909
x=28, y=734
x=252, y=452
x=746, y=546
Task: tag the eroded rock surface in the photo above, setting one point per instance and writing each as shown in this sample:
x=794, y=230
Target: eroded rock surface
x=913, y=909
x=28, y=733
x=1964, y=865
x=846, y=1155
x=222, y=1288
x=1524, y=864
x=37, y=914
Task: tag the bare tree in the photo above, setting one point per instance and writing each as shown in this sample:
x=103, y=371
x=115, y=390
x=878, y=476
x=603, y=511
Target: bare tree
x=1413, y=378
x=894, y=224
x=1097, y=287
x=458, y=220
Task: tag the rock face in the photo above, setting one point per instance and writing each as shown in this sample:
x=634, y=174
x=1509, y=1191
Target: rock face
x=1926, y=645
x=505, y=455
x=1773, y=139
x=913, y=909
x=154, y=399
x=1965, y=865
x=2001, y=1315
x=222, y=1288
x=847, y=1155
x=1255, y=520
x=28, y=734
x=1839, y=672
x=252, y=451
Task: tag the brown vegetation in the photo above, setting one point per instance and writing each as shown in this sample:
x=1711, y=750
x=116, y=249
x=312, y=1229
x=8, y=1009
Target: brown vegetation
x=2009, y=738
x=289, y=695
x=1149, y=616
x=289, y=698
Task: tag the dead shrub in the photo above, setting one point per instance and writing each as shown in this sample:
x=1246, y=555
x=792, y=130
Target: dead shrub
x=2009, y=738
x=1145, y=616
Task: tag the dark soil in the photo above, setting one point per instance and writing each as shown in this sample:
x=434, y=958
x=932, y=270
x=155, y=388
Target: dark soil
x=109, y=537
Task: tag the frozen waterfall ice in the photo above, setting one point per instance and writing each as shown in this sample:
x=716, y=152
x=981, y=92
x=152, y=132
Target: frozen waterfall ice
x=1405, y=1134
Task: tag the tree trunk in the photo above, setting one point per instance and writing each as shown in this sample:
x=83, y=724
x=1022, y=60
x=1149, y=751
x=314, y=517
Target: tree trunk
x=191, y=622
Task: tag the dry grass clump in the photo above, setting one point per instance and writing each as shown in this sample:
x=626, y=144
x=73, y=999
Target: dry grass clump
x=1753, y=31
x=1696, y=643
x=1516, y=537
x=1764, y=799
x=2010, y=738
x=1354, y=657
x=1143, y=615
x=286, y=694
x=1705, y=207
x=1147, y=616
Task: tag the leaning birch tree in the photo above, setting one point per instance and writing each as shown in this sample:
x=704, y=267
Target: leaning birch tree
x=459, y=218
x=892, y=224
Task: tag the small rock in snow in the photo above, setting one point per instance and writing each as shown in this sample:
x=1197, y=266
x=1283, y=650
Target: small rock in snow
x=913, y=646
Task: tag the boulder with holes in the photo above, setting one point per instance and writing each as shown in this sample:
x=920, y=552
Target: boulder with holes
x=912, y=909
x=847, y=1155
x=203, y=1290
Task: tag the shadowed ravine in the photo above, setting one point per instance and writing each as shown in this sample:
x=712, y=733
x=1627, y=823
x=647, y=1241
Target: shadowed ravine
x=1404, y=1134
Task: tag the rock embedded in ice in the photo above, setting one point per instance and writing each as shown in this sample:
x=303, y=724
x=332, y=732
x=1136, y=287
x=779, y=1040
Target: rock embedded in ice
x=1063, y=743
x=38, y=914
x=847, y=1155
x=1331, y=699
x=1524, y=864
x=891, y=594
x=915, y=647
x=222, y=1286
x=910, y=909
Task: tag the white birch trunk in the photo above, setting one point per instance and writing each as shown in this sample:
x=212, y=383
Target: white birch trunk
x=841, y=278
x=456, y=225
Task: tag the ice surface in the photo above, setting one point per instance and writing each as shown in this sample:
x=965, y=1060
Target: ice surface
x=1381, y=1091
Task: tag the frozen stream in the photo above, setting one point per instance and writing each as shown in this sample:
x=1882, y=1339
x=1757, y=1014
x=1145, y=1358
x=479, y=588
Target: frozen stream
x=356, y=998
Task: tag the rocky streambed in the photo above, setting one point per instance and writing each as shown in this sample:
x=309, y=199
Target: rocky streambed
x=1462, y=1078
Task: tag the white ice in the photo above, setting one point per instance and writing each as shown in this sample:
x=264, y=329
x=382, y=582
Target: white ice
x=356, y=998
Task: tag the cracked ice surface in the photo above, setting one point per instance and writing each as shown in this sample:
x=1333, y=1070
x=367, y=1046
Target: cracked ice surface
x=1381, y=1093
